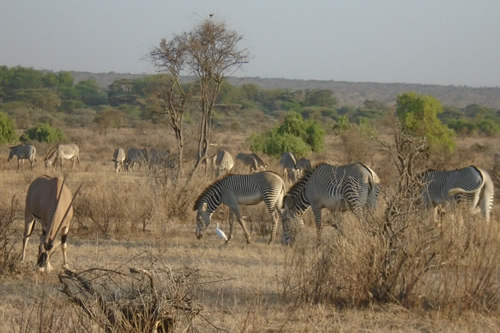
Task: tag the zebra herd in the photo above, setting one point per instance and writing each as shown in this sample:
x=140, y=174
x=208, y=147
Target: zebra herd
x=353, y=187
x=122, y=161
x=338, y=188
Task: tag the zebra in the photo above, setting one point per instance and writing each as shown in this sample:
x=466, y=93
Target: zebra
x=470, y=185
x=135, y=156
x=223, y=162
x=245, y=189
x=68, y=151
x=252, y=160
x=23, y=152
x=48, y=201
x=337, y=188
x=288, y=162
x=119, y=159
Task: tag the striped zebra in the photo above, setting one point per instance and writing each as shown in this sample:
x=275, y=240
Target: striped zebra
x=234, y=190
x=23, y=152
x=337, y=188
x=68, y=151
x=471, y=186
x=136, y=156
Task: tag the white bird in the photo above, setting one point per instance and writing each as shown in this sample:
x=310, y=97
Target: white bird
x=220, y=233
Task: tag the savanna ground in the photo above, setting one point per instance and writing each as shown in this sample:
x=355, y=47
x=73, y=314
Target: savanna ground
x=439, y=277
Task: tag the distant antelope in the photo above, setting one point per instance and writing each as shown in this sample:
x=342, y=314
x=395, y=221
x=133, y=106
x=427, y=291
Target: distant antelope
x=62, y=151
x=48, y=201
x=119, y=159
x=23, y=152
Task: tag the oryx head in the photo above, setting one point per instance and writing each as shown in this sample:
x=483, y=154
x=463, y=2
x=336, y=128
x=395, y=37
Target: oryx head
x=203, y=218
x=45, y=251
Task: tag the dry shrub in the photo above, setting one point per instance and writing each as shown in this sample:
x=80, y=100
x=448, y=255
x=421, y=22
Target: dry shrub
x=357, y=145
x=43, y=311
x=8, y=257
x=114, y=205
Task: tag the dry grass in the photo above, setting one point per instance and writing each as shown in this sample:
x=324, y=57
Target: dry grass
x=443, y=278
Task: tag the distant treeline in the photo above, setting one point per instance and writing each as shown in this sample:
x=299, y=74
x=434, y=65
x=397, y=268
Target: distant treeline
x=31, y=96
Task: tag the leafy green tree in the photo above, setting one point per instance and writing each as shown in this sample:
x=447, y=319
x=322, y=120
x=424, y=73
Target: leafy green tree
x=7, y=130
x=419, y=117
x=320, y=97
x=43, y=133
x=295, y=134
x=39, y=99
x=90, y=93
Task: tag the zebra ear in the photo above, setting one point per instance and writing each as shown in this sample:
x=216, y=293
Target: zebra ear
x=204, y=207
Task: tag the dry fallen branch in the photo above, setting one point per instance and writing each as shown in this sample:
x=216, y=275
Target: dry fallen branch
x=134, y=301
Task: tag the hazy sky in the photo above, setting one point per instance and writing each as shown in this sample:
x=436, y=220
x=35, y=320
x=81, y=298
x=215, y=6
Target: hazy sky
x=420, y=41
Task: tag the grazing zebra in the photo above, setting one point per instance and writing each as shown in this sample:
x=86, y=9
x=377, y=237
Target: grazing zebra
x=288, y=162
x=48, y=201
x=252, y=160
x=136, y=156
x=223, y=162
x=471, y=185
x=337, y=188
x=23, y=152
x=119, y=159
x=233, y=190
x=68, y=151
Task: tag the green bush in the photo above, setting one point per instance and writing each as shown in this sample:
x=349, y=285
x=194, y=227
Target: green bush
x=43, y=133
x=7, y=130
x=295, y=135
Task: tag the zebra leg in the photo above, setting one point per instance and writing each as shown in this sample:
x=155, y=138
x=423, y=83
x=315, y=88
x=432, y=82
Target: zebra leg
x=231, y=224
x=275, y=216
x=317, y=218
x=242, y=224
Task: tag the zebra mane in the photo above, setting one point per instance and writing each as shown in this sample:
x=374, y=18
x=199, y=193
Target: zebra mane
x=208, y=189
x=299, y=184
x=51, y=152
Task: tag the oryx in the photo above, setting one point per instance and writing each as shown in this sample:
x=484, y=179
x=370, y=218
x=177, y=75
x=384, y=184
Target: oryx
x=23, y=152
x=48, y=201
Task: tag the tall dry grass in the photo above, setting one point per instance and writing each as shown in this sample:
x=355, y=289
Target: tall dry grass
x=401, y=272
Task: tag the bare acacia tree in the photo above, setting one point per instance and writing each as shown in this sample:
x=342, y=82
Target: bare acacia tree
x=209, y=52
x=214, y=53
x=170, y=97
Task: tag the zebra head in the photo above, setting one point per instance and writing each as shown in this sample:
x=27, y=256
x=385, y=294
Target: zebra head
x=203, y=218
x=291, y=219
